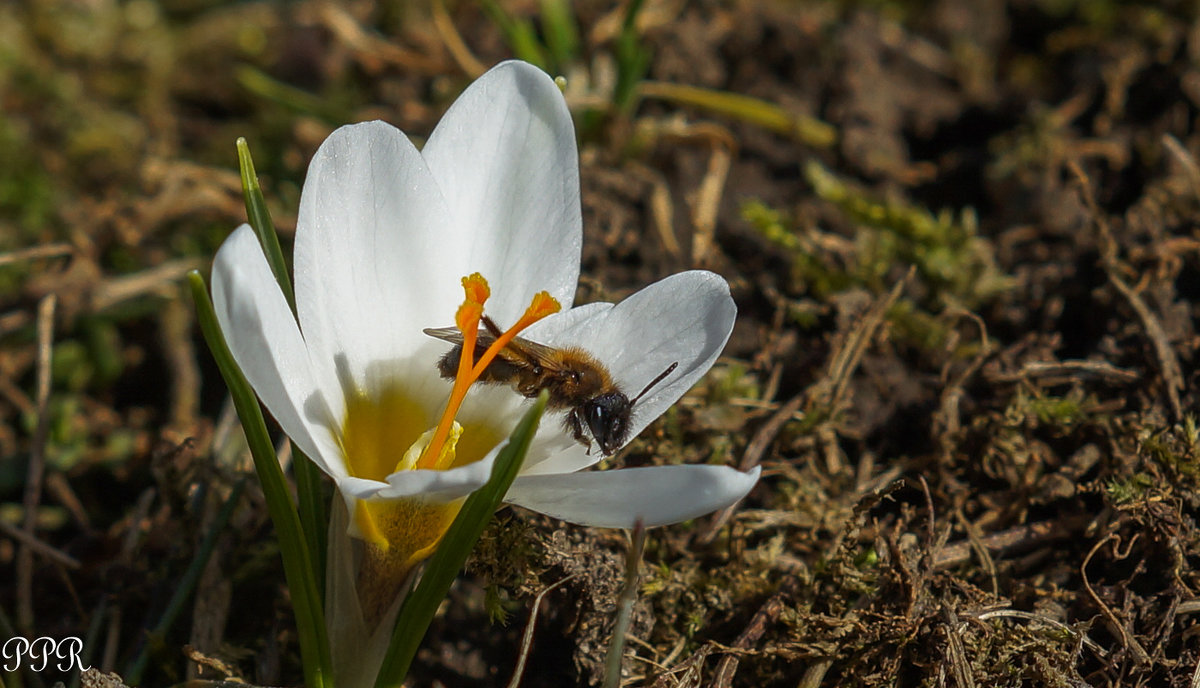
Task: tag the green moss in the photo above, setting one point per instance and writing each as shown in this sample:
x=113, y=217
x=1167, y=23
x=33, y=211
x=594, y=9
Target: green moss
x=1121, y=491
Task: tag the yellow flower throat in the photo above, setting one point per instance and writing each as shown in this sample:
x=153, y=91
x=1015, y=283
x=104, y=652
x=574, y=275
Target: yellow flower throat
x=402, y=532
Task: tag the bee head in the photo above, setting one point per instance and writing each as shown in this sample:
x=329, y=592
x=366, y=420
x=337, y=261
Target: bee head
x=607, y=417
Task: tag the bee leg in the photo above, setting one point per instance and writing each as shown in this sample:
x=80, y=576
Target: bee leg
x=576, y=427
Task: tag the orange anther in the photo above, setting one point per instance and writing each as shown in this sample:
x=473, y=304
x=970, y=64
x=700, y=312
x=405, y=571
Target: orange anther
x=467, y=319
x=477, y=288
x=543, y=304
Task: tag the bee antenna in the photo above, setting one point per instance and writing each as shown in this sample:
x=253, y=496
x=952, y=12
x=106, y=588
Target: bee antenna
x=491, y=326
x=671, y=368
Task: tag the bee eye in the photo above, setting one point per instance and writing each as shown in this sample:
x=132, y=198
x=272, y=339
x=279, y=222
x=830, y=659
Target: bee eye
x=596, y=415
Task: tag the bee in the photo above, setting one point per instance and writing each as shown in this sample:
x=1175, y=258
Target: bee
x=574, y=379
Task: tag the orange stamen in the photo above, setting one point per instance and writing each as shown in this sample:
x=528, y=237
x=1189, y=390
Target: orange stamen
x=467, y=319
x=543, y=304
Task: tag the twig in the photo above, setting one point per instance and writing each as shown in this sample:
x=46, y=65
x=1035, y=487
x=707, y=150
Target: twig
x=708, y=202
x=62, y=492
x=175, y=329
x=948, y=406
x=1131, y=643
x=27, y=540
x=453, y=41
x=764, y=617
x=815, y=673
x=1025, y=536
x=37, y=460
x=527, y=637
x=183, y=590
x=751, y=458
x=35, y=253
x=956, y=653
x=1071, y=370
x=156, y=279
x=1168, y=362
x=1185, y=159
x=843, y=364
x=1053, y=623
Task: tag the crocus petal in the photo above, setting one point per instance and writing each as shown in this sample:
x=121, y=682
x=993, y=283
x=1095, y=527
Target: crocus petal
x=372, y=256
x=262, y=335
x=436, y=486
x=685, y=319
x=504, y=155
x=657, y=496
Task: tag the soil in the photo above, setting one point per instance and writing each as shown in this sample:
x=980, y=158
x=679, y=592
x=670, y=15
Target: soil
x=962, y=237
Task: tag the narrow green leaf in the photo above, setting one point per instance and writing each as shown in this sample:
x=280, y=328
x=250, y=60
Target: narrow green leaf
x=260, y=221
x=314, y=516
x=518, y=34
x=183, y=590
x=281, y=93
x=803, y=128
x=297, y=563
x=633, y=58
x=561, y=31
x=418, y=609
x=309, y=486
x=628, y=596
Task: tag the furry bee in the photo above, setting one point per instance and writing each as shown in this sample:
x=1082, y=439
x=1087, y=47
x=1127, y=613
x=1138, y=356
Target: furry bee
x=574, y=379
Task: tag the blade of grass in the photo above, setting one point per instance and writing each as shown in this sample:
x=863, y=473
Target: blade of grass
x=518, y=34
x=309, y=485
x=807, y=130
x=293, y=547
x=260, y=219
x=633, y=59
x=133, y=674
x=269, y=88
x=560, y=29
x=418, y=609
x=629, y=593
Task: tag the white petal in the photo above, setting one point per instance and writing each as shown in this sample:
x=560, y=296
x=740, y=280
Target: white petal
x=374, y=263
x=685, y=319
x=266, y=343
x=505, y=158
x=657, y=495
x=438, y=486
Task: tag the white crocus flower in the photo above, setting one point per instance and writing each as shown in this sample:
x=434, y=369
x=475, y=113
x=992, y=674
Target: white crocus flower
x=384, y=238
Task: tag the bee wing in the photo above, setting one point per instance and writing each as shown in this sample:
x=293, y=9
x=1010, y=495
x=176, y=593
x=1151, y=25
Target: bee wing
x=518, y=350
x=546, y=357
x=447, y=334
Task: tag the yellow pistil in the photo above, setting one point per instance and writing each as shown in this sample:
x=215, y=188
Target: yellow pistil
x=467, y=319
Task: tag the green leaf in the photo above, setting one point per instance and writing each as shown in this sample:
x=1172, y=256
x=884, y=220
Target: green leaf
x=183, y=590
x=562, y=34
x=807, y=130
x=309, y=485
x=297, y=562
x=633, y=58
x=418, y=609
x=625, y=602
x=260, y=220
x=518, y=34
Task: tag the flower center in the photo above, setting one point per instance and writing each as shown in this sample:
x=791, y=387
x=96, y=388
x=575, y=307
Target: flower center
x=467, y=319
x=399, y=533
